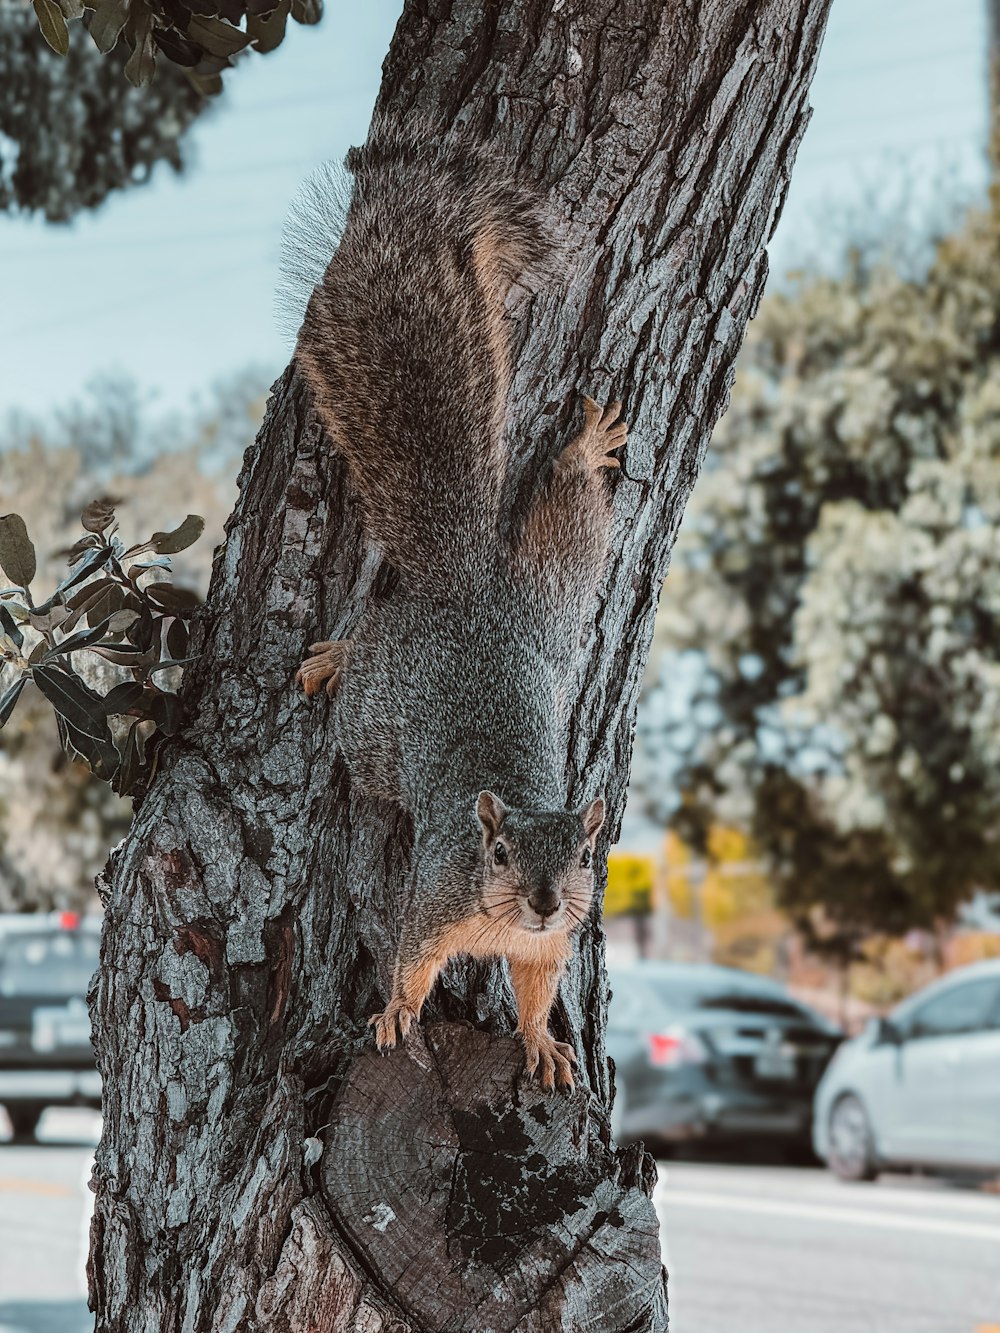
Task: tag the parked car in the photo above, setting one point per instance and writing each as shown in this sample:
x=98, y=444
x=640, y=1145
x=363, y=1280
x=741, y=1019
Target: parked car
x=713, y=1053
x=921, y=1087
x=46, y=1058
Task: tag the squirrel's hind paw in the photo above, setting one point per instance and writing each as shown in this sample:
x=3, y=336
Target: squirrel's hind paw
x=398, y=1015
x=324, y=664
x=550, y=1060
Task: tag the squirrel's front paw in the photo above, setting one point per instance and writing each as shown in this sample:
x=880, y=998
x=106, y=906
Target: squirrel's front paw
x=398, y=1016
x=325, y=663
x=553, y=1060
x=602, y=436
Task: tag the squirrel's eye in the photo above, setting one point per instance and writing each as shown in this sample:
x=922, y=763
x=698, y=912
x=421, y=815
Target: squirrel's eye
x=585, y=859
x=500, y=854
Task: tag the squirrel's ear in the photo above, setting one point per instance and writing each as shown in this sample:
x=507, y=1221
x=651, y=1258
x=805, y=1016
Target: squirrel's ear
x=491, y=811
x=592, y=817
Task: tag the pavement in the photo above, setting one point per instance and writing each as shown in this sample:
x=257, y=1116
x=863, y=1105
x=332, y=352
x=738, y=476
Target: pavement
x=44, y=1221
x=754, y=1248
x=766, y=1249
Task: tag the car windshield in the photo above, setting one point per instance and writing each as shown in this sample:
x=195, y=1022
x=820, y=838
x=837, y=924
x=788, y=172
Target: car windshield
x=753, y=1004
x=58, y=963
x=648, y=1000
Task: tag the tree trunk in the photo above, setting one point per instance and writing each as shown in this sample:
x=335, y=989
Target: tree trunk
x=261, y=1168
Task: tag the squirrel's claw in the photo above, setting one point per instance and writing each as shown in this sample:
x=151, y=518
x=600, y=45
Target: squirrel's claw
x=552, y=1060
x=398, y=1015
x=324, y=665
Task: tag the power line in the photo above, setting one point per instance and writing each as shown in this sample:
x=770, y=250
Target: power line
x=175, y=238
x=926, y=58
x=180, y=291
x=875, y=119
x=913, y=146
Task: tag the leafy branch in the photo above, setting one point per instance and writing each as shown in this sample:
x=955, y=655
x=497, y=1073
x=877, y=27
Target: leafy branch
x=117, y=604
x=202, y=38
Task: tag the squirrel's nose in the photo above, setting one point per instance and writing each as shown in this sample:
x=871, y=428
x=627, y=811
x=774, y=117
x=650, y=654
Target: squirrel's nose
x=545, y=902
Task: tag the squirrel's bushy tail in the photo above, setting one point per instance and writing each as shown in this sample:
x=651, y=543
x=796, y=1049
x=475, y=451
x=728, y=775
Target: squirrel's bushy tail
x=405, y=347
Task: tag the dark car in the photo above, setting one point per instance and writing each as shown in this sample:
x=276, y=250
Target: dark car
x=46, y=1058
x=712, y=1053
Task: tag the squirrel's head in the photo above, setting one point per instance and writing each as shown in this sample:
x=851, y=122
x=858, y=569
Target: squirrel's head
x=538, y=864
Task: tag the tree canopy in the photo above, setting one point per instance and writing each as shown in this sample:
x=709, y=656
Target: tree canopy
x=838, y=577
x=81, y=113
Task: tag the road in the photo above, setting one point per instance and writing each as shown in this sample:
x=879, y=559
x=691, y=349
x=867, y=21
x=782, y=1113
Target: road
x=43, y=1211
x=764, y=1249
x=750, y=1249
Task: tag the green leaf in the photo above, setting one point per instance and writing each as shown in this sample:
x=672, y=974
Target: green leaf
x=177, y=639
x=48, y=620
x=87, y=566
x=84, y=597
x=107, y=23
x=73, y=699
x=99, y=514
x=81, y=710
x=209, y=84
x=101, y=756
x=178, y=601
x=9, y=698
x=141, y=64
x=169, y=543
x=82, y=544
x=218, y=39
x=52, y=22
x=127, y=655
x=172, y=662
x=145, y=632
x=307, y=11
x=84, y=638
x=9, y=626
x=17, y=555
x=96, y=601
x=268, y=30
x=130, y=765
x=123, y=698
x=177, y=48
x=72, y=9
x=166, y=712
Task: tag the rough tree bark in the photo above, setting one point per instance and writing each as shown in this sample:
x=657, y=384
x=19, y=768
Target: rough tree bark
x=261, y=1168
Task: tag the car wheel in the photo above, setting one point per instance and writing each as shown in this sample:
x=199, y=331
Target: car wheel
x=851, y=1152
x=24, y=1120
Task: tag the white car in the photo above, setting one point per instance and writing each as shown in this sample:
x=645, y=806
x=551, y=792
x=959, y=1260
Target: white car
x=921, y=1087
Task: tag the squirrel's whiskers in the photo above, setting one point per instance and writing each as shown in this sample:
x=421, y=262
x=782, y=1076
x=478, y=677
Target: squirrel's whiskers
x=456, y=685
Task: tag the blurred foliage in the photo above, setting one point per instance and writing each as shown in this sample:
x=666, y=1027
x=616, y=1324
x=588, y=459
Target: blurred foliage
x=679, y=886
x=57, y=822
x=80, y=112
x=886, y=970
x=838, y=580
x=729, y=894
x=72, y=130
x=630, y=884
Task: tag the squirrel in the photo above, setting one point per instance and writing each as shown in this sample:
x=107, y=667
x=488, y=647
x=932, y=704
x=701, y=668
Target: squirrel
x=451, y=695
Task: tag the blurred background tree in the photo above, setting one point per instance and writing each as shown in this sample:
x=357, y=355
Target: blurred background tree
x=81, y=113
x=834, y=605
x=57, y=821
x=72, y=129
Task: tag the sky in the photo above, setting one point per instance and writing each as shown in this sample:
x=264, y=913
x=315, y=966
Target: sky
x=173, y=282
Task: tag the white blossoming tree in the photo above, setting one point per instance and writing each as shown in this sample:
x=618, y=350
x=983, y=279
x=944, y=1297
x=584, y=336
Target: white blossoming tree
x=839, y=573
